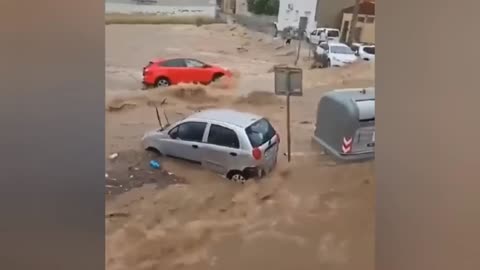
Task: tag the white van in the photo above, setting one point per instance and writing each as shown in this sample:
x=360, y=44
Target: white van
x=320, y=35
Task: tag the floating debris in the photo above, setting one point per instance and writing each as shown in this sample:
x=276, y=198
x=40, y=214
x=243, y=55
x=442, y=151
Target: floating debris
x=154, y=164
x=112, y=215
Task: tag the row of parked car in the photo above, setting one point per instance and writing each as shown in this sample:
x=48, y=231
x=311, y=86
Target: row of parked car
x=336, y=54
x=330, y=52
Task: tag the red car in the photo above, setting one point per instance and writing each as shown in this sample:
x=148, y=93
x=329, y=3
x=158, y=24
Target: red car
x=165, y=72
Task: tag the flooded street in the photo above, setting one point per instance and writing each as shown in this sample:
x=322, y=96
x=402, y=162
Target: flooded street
x=315, y=213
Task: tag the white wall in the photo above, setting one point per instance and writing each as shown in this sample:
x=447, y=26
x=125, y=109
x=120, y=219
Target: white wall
x=291, y=17
x=125, y=8
x=242, y=7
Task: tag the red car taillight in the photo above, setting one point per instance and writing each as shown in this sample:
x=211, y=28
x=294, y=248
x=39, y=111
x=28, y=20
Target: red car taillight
x=146, y=68
x=257, y=154
x=146, y=71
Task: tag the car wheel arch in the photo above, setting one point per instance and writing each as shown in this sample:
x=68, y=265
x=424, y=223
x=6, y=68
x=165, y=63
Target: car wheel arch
x=233, y=172
x=162, y=77
x=153, y=149
x=217, y=75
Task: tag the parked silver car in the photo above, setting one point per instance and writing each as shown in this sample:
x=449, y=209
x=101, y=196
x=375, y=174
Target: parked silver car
x=235, y=144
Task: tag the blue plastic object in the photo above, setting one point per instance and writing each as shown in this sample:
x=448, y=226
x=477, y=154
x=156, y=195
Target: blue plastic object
x=154, y=164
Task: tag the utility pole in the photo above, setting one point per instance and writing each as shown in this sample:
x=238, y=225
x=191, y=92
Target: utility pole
x=300, y=39
x=353, y=24
x=302, y=26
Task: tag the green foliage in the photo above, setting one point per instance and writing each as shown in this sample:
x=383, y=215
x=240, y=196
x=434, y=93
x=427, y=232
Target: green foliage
x=251, y=5
x=266, y=7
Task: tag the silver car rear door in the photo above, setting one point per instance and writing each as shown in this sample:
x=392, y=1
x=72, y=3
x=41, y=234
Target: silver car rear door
x=222, y=149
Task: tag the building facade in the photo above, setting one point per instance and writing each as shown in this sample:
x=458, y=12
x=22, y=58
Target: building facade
x=329, y=12
x=239, y=7
x=365, y=31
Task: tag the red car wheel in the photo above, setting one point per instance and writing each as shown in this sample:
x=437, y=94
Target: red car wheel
x=162, y=82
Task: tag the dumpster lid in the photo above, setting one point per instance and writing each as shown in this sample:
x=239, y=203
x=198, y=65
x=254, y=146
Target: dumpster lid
x=366, y=109
x=368, y=89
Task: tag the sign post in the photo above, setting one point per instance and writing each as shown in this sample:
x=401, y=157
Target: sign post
x=289, y=142
x=288, y=82
x=302, y=26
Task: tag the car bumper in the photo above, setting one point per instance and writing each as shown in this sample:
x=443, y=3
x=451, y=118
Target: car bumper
x=260, y=171
x=252, y=172
x=228, y=73
x=148, y=79
x=341, y=63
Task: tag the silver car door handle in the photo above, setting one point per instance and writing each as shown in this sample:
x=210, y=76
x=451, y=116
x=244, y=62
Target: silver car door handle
x=195, y=146
x=233, y=154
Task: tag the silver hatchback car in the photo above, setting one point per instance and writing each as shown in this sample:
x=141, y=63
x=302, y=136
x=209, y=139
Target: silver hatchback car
x=235, y=144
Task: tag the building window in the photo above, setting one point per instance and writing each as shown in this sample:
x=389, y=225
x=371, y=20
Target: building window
x=361, y=19
x=370, y=19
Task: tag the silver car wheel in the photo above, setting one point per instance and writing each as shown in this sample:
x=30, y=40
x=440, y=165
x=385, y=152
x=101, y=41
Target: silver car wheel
x=238, y=178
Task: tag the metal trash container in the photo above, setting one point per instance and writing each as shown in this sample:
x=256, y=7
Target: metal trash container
x=345, y=125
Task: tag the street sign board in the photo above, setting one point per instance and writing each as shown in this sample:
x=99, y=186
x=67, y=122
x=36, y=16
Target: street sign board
x=288, y=81
x=302, y=25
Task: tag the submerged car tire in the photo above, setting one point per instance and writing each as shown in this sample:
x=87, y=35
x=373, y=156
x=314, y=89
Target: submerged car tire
x=237, y=176
x=162, y=82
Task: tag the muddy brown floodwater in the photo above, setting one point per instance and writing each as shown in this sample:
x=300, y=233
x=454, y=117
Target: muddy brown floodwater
x=309, y=214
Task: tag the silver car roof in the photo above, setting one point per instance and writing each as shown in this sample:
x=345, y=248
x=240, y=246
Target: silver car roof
x=240, y=119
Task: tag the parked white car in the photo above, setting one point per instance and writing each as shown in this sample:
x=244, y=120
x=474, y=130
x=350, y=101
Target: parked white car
x=235, y=144
x=320, y=35
x=334, y=54
x=365, y=52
